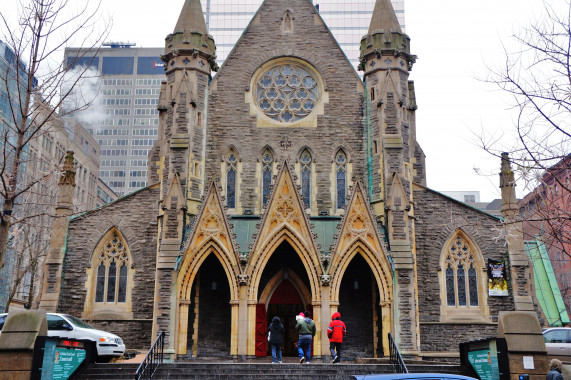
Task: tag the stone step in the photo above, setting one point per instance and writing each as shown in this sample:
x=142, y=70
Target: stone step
x=200, y=370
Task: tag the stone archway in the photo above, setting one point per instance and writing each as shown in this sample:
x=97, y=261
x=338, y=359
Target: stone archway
x=186, y=291
x=285, y=296
x=382, y=294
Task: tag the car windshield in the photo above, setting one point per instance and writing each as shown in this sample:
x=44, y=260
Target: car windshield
x=78, y=322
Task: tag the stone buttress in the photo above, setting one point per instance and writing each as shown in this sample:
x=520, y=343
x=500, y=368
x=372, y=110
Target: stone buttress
x=53, y=265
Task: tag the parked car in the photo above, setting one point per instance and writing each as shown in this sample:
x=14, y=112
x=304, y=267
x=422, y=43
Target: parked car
x=413, y=376
x=67, y=326
x=558, y=343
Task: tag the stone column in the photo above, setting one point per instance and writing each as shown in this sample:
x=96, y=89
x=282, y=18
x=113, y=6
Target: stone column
x=235, y=328
x=251, y=322
x=386, y=323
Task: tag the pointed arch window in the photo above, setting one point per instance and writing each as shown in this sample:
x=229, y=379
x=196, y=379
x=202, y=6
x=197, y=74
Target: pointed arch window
x=231, y=174
x=341, y=178
x=461, y=275
x=305, y=161
x=113, y=258
x=267, y=163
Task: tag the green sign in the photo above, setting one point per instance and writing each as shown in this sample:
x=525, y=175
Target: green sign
x=66, y=361
x=485, y=363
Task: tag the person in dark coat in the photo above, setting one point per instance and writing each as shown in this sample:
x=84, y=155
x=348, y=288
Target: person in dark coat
x=335, y=333
x=556, y=367
x=276, y=338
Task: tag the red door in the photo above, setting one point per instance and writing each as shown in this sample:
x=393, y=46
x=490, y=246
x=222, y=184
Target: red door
x=261, y=330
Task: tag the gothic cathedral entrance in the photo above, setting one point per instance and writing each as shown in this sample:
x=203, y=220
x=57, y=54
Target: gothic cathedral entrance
x=283, y=293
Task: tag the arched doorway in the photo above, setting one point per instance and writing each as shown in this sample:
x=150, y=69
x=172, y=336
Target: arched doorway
x=209, y=312
x=359, y=307
x=284, y=293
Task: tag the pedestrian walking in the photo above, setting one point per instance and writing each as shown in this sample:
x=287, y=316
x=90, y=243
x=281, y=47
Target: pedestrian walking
x=276, y=338
x=306, y=329
x=299, y=317
x=335, y=333
x=555, y=368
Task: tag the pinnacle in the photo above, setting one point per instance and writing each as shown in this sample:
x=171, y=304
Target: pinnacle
x=191, y=17
x=384, y=17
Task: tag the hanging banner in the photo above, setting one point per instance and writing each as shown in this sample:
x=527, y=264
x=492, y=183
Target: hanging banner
x=497, y=284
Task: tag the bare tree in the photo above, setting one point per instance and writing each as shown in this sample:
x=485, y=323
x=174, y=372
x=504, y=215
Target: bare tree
x=537, y=75
x=34, y=85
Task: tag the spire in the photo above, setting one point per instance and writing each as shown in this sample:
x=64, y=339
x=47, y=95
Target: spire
x=384, y=17
x=190, y=37
x=385, y=36
x=191, y=18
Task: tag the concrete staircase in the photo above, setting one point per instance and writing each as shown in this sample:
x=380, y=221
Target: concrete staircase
x=229, y=370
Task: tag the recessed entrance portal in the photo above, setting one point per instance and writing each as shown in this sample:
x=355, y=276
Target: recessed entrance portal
x=286, y=303
x=360, y=310
x=283, y=293
x=209, y=318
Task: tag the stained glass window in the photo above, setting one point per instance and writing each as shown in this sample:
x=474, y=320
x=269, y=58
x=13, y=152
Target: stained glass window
x=110, y=287
x=100, y=286
x=111, y=282
x=267, y=161
x=473, y=286
x=341, y=174
x=122, y=293
x=305, y=161
x=287, y=92
x=450, y=290
x=461, y=276
x=231, y=162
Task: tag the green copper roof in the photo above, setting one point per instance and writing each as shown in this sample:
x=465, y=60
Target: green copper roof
x=546, y=288
x=325, y=228
x=245, y=227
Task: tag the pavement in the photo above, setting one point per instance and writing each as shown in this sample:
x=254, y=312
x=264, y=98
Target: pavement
x=567, y=371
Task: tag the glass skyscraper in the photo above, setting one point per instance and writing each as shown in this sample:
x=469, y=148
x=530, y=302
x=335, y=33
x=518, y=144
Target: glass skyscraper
x=348, y=20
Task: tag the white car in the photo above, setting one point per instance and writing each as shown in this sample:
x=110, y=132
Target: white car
x=558, y=343
x=66, y=326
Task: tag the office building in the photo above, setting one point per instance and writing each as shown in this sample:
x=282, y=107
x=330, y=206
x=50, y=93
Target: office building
x=123, y=116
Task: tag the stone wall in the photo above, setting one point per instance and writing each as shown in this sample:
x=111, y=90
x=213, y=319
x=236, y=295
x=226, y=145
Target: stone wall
x=230, y=121
x=437, y=218
x=135, y=217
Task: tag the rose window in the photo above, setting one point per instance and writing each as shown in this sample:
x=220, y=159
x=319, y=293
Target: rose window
x=287, y=93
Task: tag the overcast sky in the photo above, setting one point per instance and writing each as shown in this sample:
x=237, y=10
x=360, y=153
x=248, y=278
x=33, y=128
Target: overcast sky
x=455, y=41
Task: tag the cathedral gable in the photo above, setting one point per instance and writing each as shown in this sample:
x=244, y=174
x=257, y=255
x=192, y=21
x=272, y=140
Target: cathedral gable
x=358, y=227
x=211, y=225
x=285, y=215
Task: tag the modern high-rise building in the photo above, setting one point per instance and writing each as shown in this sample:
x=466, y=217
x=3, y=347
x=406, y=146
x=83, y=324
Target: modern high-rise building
x=123, y=115
x=348, y=20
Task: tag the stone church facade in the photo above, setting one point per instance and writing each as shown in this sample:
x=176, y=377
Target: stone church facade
x=286, y=183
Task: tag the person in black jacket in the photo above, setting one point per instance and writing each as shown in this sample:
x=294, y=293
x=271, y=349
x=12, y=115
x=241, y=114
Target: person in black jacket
x=276, y=338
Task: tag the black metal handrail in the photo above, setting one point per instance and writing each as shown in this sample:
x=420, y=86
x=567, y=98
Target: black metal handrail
x=395, y=358
x=153, y=359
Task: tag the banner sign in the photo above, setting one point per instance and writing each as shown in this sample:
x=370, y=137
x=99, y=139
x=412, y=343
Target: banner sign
x=497, y=283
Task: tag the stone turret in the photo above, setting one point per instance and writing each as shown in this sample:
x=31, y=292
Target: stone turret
x=177, y=159
x=386, y=61
x=190, y=36
x=520, y=267
x=395, y=154
x=52, y=273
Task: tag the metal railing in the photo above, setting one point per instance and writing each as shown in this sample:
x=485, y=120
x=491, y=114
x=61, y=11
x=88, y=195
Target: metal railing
x=153, y=359
x=395, y=358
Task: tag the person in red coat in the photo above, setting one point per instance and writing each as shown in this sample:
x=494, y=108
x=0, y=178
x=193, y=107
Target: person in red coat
x=335, y=332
